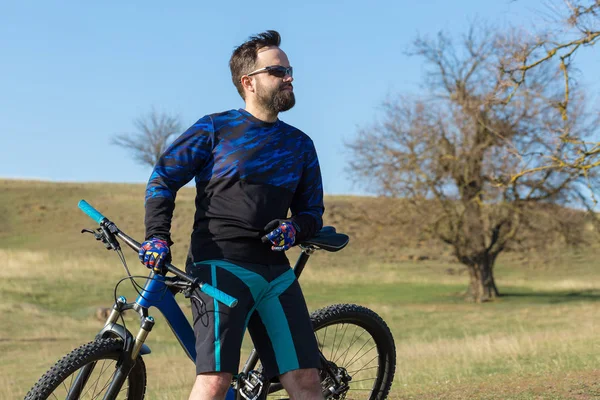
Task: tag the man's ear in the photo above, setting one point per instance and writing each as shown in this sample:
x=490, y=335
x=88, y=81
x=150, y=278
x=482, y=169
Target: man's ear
x=247, y=83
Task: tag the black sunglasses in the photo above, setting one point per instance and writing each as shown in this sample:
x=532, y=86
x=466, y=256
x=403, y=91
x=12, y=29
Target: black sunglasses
x=275, y=70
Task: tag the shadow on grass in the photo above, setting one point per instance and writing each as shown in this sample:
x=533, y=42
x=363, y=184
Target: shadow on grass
x=554, y=297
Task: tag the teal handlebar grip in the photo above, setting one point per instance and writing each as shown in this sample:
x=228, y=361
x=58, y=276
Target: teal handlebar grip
x=220, y=296
x=91, y=211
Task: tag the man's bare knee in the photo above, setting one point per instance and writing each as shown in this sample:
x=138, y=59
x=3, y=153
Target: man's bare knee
x=211, y=386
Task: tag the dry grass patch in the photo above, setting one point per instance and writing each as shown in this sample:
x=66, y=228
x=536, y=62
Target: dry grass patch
x=526, y=352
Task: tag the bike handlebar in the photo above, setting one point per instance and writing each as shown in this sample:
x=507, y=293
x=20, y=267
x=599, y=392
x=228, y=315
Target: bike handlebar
x=212, y=291
x=223, y=297
x=91, y=211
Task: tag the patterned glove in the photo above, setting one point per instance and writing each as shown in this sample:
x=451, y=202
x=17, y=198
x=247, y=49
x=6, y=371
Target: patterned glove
x=282, y=234
x=154, y=253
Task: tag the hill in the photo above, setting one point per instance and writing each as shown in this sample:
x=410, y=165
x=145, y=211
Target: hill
x=44, y=215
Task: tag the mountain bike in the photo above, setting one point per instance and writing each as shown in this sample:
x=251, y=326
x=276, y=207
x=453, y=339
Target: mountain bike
x=357, y=350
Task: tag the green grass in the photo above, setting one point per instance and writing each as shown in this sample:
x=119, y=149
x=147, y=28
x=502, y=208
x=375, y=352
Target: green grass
x=535, y=337
x=540, y=340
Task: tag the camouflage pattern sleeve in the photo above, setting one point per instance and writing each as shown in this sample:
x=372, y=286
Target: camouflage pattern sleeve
x=182, y=160
x=307, y=204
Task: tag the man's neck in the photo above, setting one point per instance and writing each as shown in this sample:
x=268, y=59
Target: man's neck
x=261, y=113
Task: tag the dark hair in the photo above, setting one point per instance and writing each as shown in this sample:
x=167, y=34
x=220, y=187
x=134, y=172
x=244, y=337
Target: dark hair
x=243, y=59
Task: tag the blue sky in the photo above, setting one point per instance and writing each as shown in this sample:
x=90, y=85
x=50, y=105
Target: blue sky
x=74, y=73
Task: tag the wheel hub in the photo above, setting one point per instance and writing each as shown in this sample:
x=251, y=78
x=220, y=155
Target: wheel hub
x=335, y=387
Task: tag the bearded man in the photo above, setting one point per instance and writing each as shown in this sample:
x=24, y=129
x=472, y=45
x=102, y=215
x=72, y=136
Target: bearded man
x=250, y=169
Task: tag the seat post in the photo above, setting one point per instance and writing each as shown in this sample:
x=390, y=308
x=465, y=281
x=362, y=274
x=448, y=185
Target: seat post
x=301, y=262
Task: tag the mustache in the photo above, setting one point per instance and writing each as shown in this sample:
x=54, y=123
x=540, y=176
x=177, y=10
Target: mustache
x=287, y=85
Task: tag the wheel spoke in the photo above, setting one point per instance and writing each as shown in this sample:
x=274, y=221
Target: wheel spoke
x=77, y=380
x=66, y=388
x=324, y=338
x=353, y=360
x=71, y=382
x=363, y=380
x=97, y=380
x=341, y=340
x=345, y=353
x=107, y=384
x=351, y=344
x=362, y=369
x=333, y=344
x=126, y=386
x=352, y=341
x=95, y=384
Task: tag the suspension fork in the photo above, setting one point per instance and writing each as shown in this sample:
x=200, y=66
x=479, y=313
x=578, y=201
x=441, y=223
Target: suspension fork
x=85, y=372
x=128, y=359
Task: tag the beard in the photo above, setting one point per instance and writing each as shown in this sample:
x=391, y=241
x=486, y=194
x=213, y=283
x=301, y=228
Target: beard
x=277, y=100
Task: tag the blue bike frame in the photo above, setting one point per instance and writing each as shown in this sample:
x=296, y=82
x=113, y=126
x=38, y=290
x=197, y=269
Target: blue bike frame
x=156, y=294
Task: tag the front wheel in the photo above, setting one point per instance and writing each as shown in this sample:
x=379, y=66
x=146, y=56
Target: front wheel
x=93, y=365
x=360, y=353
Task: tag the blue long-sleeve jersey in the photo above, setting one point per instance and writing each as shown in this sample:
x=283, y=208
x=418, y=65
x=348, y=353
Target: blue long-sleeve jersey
x=248, y=173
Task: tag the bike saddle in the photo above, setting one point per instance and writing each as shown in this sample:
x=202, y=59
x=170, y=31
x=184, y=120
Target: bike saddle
x=328, y=239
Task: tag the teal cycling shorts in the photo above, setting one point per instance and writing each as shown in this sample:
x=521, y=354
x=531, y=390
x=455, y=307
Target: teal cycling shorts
x=270, y=305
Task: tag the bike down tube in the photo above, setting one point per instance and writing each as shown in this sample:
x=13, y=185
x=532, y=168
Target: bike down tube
x=156, y=294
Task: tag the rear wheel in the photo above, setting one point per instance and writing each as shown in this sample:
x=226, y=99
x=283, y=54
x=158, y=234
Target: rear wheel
x=360, y=353
x=101, y=357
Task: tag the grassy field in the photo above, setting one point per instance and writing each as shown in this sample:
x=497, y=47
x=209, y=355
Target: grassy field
x=541, y=340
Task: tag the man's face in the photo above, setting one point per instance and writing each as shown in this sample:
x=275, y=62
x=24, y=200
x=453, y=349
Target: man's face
x=273, y=93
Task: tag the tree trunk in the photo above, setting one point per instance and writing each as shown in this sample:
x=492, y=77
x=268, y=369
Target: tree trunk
x=496, y=292
x=482, y=286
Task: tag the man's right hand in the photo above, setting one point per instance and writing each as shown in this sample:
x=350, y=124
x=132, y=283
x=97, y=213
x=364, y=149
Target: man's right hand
x=154, y=254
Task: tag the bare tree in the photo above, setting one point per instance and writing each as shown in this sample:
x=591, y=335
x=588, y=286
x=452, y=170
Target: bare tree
x=458, y=147
x=571, y=25
x=155, y=130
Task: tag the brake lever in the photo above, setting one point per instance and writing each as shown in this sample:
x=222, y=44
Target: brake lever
x=190, y=293
x=109, y=232
x=98, y=235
